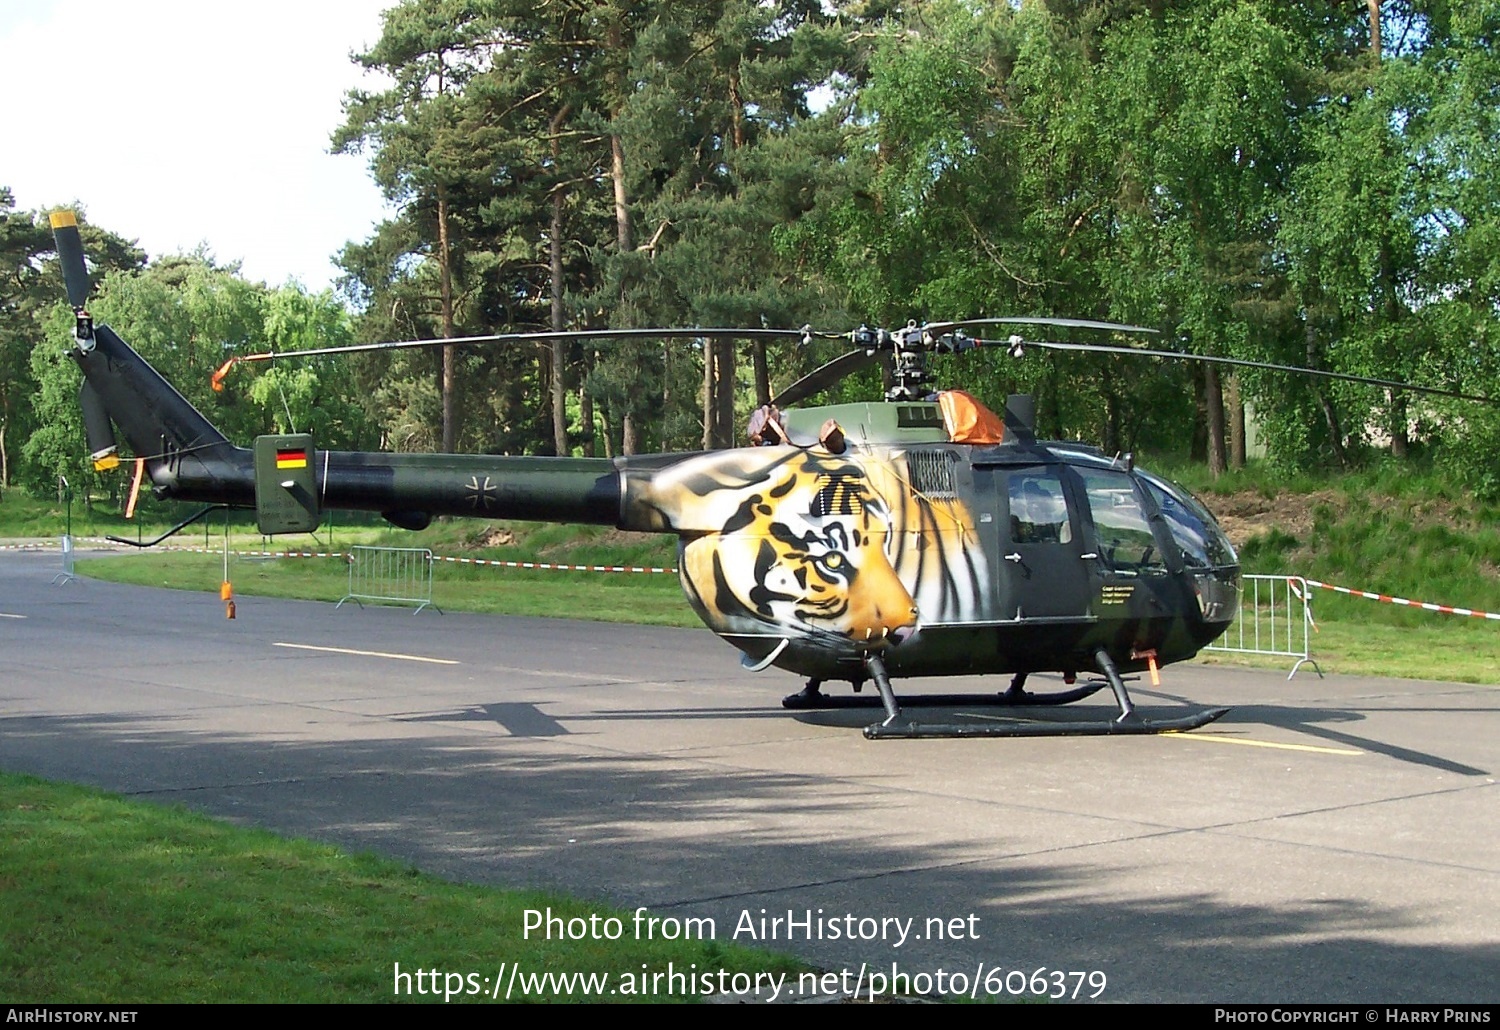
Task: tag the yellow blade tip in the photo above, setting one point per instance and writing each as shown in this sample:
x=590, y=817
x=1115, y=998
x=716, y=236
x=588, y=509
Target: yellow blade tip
x=62, y=219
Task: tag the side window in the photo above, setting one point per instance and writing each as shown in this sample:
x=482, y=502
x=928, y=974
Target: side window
x=1038, y=512
x=1124, y=534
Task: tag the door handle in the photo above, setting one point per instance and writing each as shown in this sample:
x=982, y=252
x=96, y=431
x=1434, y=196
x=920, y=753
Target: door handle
x=1014, y=556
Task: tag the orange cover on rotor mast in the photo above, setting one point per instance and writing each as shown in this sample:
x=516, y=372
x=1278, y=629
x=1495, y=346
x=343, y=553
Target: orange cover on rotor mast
x=968, y=420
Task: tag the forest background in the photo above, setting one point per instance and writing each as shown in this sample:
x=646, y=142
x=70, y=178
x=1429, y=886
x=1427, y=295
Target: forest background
x=1300, y=183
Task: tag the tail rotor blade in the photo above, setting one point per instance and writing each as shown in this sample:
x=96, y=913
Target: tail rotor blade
x=70, y=256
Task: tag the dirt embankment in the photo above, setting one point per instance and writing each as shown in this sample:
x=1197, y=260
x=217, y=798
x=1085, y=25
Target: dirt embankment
x=1248, y=513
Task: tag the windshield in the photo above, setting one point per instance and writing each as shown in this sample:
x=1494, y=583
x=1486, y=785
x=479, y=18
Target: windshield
x=1203, y=543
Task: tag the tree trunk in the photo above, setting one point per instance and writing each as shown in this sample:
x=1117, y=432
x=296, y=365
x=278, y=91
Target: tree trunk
x=628, y=443
x=736, y=110
x=762, y=373
x=1400, y=439
x=559, y=399
x=622, y=215
x=555, y=269
x=609, y=431
x=1109, y=437
x=1213, y=398
x=1330, y=416
x=1198, y=449
x=450, y=359
x=724, y=391
x=1236, y=405
x=666, y=392
x=586, y=410
x=445, y=285
x=710, y=409
x=622, y=211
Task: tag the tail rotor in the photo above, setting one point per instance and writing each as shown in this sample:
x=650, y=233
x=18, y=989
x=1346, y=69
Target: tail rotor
x=75, y=274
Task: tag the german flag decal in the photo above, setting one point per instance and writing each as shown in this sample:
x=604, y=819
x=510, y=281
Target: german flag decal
x=291, y=458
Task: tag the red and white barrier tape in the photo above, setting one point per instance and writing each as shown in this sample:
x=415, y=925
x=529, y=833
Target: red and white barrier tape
x=550, y=566
x=1446, y=609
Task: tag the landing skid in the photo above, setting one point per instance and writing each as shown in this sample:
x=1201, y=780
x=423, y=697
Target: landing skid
x=805, y=700
x=898, y=726
x=910, y=729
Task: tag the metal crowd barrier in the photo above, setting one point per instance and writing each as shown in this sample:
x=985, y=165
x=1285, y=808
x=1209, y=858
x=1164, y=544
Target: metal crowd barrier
x=1275, y=618
x=390, y=575
x=66, y=575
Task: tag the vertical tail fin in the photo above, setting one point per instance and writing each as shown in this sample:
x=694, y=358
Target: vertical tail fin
x=187, y=457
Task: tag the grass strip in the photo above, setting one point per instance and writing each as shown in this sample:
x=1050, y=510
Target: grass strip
x=112, y=900
x=646, y=598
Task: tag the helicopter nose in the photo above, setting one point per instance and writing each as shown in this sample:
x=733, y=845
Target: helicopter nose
x=881, y=611
x=897, y=637
x=892, y=635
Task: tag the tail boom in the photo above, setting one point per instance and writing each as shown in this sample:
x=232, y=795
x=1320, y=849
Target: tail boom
x=189, y=459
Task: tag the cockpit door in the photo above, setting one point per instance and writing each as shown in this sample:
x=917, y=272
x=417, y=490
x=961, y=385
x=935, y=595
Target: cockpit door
x=1042, y=573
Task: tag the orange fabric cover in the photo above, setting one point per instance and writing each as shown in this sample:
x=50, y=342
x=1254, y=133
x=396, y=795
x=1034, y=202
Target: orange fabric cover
x=968, y=420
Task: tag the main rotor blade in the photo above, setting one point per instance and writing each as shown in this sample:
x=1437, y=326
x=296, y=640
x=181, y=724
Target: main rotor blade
x=1213, y=359
x=70, y=257
x=1070, y=323
x=822, y=378
x=541, y=336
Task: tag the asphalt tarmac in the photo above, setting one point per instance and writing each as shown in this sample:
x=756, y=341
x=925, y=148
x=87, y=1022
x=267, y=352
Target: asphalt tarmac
x=1328, y=840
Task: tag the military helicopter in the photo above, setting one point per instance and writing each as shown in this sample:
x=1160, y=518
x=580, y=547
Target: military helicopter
x=924, y=535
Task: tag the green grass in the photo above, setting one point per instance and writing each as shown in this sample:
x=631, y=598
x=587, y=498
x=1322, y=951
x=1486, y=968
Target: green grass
x=648, y=598
x=1443, y=648
x=22, y=515
x=112, y=900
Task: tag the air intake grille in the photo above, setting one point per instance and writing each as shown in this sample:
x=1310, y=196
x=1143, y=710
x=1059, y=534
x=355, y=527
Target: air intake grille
x=932, y=472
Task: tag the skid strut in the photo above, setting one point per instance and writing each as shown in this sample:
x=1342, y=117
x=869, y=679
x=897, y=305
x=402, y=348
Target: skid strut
x=898, y=726
x=1112, y=674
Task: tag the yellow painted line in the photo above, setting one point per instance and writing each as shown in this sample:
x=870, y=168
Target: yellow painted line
x=1263, y=743
x=371, y=654
x=5, y=615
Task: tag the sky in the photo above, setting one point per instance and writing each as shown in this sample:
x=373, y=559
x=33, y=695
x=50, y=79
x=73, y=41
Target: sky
x=180, y=123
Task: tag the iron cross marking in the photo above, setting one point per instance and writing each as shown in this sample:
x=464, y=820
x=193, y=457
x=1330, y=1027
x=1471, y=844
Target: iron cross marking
x=480, y=494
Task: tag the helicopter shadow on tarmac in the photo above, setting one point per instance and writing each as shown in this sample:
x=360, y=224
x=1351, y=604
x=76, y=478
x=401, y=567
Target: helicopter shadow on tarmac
x=1318, y=723
x=530, y=719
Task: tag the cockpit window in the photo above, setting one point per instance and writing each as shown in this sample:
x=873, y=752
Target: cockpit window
x=1038, y=512
x=1120, y=524
x=1203, y=543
